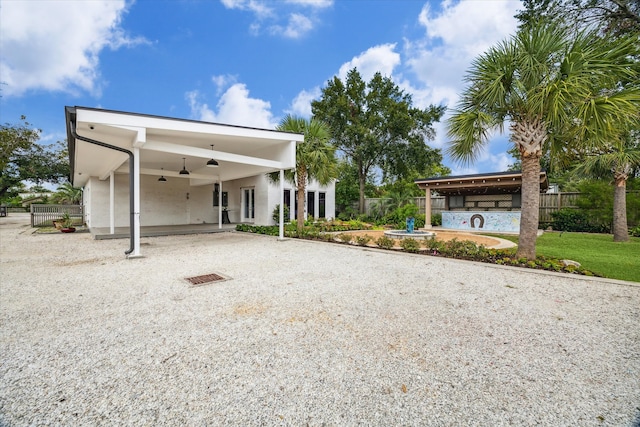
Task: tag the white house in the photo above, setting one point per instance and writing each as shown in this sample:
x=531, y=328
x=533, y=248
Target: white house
x=142, y=170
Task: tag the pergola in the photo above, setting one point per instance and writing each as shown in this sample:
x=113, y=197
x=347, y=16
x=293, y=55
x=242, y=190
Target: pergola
x=479, y=184
x=105, y=142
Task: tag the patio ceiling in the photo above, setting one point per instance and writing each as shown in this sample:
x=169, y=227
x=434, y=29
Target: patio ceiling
x=163, y=143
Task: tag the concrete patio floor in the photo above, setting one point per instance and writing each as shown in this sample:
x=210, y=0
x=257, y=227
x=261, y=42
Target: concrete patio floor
x=104, y=233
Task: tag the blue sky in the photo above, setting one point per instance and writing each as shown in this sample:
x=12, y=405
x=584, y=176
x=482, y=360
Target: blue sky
x=243, y=62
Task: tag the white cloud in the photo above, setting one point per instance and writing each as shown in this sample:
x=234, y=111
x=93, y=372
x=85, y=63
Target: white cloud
x=234, y=107
x=278, y=18
x=259, y=8
x=453, y=38
x=318, y=4
x=223, y=81
x=55, y=46
x=382, y=58
x=301, y=104
x=297, y=26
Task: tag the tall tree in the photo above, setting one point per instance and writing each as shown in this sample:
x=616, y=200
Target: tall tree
x=347, y=193
x=315, y=158
x=375, y=125
x=23, y=159
x=613, y=17
x=617, y=159
x=549, y=85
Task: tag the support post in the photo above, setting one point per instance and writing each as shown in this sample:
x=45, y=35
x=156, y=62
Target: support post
x=136, y=204
x=112, y=203
x=220, y=207
x=427, y=209
x=281, y=217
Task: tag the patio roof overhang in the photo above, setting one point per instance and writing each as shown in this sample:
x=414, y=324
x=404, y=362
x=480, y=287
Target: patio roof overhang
x=489, y=183
x=162, y=142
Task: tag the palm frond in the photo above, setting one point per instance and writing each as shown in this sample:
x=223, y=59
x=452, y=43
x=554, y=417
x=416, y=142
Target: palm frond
x=468, y=131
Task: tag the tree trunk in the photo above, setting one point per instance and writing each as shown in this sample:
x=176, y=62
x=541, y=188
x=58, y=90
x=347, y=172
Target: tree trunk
x=302, y=184
x=362, y=180
x=620, y=230
x=530, y=210
x=361, y=209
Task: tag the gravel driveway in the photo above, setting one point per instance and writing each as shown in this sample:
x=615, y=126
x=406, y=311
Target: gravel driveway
x=304, y=333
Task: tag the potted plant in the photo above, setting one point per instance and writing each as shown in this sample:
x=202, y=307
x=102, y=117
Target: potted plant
x=67, y=224
x=58, y=223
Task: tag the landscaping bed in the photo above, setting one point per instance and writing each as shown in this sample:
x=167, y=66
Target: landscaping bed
x=451, y=248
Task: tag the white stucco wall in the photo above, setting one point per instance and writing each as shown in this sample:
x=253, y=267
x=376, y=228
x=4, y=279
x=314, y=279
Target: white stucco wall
x=330, y=199
x=166, y=203
x=86, y=201
x=161, y=203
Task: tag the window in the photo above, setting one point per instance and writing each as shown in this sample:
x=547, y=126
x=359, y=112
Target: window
x=225, y=198
x=456, y=201
x=321, y=205
x=311, y=205
x=248, y=203
x=516, y=200
x=287, y=199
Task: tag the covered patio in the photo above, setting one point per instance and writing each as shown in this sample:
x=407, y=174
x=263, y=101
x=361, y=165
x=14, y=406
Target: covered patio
x=488, y=201
x=152, y=174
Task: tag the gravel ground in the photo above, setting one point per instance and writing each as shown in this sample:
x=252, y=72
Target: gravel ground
x=304, y=333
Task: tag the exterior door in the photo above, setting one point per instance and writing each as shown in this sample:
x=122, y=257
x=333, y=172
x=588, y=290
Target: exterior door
x=248, y=204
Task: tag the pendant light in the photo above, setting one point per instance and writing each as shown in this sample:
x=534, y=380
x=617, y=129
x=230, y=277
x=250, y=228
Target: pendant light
x=184, y=170
x=162, y=178
x=212, y=163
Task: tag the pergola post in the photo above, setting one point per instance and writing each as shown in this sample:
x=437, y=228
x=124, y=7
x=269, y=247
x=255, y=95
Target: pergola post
x=427, y=209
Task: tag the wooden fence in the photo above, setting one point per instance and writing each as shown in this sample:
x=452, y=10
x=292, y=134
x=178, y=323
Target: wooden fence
x=377, y=207
x=44, y=215
x=552, y=202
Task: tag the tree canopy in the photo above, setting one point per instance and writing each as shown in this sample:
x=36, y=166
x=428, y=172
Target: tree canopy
x=375, y=125
x=613, y=17
x=23, y=159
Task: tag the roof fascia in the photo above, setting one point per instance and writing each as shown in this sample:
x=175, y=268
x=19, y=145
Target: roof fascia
x=123, y=119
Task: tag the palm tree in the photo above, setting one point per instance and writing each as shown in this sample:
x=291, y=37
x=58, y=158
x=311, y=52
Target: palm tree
x=67, y=193
x=552, y=88
x=618, y=159
x=315, y=158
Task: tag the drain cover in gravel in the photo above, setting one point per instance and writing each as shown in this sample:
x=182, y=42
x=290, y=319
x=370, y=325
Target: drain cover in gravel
x=205, y=279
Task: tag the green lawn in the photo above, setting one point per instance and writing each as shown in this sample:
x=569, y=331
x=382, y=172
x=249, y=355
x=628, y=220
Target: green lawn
x=596, y=252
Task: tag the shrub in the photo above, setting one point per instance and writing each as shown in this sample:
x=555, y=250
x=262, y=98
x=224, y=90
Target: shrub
x=410, y=245
x=409, y=210
x=344, y=237
x=436, y=219
x=363, y=240
x=276, y=214
x=433, y=245
x=385, y=242
x=635, y=232
x=568, y=219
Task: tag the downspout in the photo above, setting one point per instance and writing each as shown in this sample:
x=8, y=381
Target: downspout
x=131, y=172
